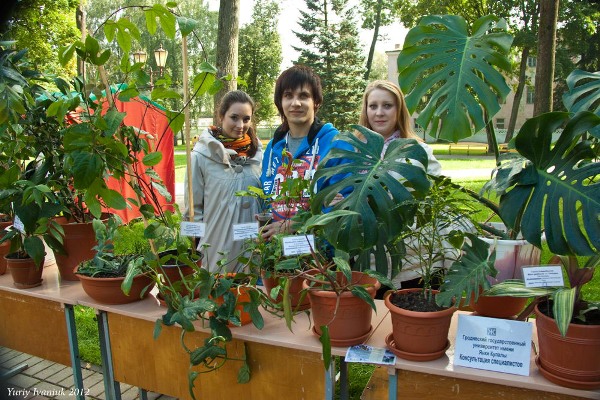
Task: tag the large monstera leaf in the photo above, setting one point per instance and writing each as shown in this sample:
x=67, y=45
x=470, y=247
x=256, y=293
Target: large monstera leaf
x=553, y=187
x=583, y=94
x=456, y=71
x=375, y=187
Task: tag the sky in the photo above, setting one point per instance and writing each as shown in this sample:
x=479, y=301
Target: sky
x=288, y=23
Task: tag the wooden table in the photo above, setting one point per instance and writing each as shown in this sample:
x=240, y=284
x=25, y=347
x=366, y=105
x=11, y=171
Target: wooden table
x=41, y=321
x=282, y=363
x=442, y=379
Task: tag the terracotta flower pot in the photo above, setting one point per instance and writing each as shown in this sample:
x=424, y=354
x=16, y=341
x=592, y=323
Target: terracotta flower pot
x=418, y=336
x=78, y=242
x=24, y=272
x=498, y=306
x=108, y=290
x=298, y=302
x=243, y=296
x=572, y=360
x=350, y=322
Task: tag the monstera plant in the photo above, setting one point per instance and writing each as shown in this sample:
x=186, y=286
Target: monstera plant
x=373, y=191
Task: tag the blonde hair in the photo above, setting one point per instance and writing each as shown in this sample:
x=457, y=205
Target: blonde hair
x=403, y=122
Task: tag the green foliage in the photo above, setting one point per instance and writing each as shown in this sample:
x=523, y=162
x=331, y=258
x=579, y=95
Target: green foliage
x=333, y=51
x=462, y=82
x=468, y=274
x=373, y=191
x=548, y=178
x=260, y=56
x=215, y=300
x=41, y=27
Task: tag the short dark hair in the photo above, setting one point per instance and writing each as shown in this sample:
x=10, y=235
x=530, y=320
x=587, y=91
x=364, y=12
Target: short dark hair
x=293, y=78
x=239, y=96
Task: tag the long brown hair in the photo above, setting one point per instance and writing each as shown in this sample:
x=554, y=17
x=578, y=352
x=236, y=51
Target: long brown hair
x=239, y=96
x=403, y=122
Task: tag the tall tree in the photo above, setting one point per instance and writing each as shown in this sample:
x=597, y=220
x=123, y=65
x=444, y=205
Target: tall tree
x=332, y=49
x=227, y=46
x=376, y=13
x=260, y=57
x=544, y=72
x=41, y=27
x=525, y=30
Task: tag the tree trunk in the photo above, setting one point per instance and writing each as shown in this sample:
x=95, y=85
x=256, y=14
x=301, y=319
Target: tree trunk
x=518, y=95
x=374, y=40
x=544, y=72
x=227, y=47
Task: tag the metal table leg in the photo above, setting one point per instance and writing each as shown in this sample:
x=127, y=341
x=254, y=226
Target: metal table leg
x=112, y=388
x=74, y=350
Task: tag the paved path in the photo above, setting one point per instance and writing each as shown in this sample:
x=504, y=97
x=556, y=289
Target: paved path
x=43, y=379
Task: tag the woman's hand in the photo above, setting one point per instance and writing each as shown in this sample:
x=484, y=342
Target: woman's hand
x=275, y=227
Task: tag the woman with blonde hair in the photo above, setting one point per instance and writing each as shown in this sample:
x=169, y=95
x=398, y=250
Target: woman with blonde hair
x=384, y=111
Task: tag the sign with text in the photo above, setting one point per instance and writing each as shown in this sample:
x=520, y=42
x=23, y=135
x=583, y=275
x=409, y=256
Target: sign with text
x=195, y=229
x=543, y=276
x=245, y=231
x=493, y=344
x=297, y=245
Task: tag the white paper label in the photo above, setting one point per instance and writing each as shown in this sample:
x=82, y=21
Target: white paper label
x=245, y=231
x=543, y=276
x=195, y=229
x=493, y=344
x=18, y=224
x=296, y=245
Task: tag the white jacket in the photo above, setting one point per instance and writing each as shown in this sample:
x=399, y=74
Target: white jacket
x=215, y=180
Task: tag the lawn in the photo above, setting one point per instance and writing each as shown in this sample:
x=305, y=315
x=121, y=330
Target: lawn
x=87, y=331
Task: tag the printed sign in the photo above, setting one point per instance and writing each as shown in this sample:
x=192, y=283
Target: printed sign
x=363, y=353
x=245, y=231
x=195, y=229
x=296, y=245
x=543, y=276
x=493, y=344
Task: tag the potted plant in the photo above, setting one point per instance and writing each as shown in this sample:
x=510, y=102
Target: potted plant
x=546, y=186
x=433, y=242
x=220, y=302
x=570, y=226
x=111, y=278
x=486, y=46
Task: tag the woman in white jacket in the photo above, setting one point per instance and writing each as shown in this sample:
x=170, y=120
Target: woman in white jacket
x=384, y=111
x=225, y=159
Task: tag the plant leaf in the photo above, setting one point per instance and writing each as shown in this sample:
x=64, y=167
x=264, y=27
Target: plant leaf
x=557, y=190
x=460, y=69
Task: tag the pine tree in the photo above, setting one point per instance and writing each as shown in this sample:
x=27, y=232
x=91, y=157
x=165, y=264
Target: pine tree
x=332, y=50
x=260, y=57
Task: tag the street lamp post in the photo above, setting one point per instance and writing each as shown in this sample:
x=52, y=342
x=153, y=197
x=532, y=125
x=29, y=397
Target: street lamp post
x=160, y=56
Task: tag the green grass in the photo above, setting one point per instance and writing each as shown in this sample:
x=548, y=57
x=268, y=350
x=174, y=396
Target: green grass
x=87, y=335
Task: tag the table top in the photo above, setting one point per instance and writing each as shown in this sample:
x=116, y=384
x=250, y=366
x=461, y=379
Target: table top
x=276, y=333
x=444, y=366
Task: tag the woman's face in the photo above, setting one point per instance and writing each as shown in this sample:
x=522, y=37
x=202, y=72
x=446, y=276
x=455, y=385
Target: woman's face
x=382, y=112
x=236, y=120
